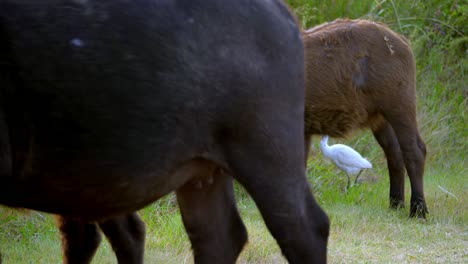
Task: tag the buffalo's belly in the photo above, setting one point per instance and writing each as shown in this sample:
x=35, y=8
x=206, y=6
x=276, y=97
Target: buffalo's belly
x=90, y=193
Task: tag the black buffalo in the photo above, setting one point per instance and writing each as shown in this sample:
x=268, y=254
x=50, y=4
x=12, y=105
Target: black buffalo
x=106, y=106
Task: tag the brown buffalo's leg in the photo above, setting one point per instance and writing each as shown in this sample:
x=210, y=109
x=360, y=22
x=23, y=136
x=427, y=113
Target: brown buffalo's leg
x=386, y=138
x=414, y=152
x=79, y=240
x=126, y=234
x=211, y=219
x=270, y=165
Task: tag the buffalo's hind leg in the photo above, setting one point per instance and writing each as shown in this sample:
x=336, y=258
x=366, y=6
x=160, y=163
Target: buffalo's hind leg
x=126, y=234
x=413, y=151
x=270, y=165
x=386, y=138
x=79, y=240
x=211, y=219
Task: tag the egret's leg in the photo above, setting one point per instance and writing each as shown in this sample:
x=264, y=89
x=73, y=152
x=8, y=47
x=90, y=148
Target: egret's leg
x=348, y=185
x=357, y=177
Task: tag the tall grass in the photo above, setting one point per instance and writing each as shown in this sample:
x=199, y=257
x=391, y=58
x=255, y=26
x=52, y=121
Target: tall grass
x=363, y=229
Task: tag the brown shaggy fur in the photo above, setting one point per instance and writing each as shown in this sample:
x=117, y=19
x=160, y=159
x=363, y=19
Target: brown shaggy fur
x=360, y=74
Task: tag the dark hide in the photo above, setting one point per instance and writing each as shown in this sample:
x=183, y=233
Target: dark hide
x=361, y=74
x=107, y=106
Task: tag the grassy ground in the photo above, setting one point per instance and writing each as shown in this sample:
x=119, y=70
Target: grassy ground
x=363, y=230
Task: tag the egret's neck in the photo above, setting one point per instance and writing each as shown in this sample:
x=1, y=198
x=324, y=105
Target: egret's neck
x=324, y=146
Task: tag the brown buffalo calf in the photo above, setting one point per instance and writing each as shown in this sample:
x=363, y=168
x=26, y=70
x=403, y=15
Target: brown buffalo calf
x=360, y=74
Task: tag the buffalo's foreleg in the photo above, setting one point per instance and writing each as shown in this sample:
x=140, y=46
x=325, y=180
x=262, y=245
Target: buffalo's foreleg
x=79, y=240
x=386, y=138
x=211, y=219
x=126, y=234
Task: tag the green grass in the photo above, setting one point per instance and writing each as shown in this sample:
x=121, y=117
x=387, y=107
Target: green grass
x=363, y=229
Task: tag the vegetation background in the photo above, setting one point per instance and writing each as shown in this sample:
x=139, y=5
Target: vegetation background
x=363, y=230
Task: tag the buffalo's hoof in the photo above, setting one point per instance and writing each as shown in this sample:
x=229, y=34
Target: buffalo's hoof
x=418, y=210
x=396, y=204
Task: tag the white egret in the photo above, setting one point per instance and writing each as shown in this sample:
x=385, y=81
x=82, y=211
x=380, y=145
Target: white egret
x=345, y=158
